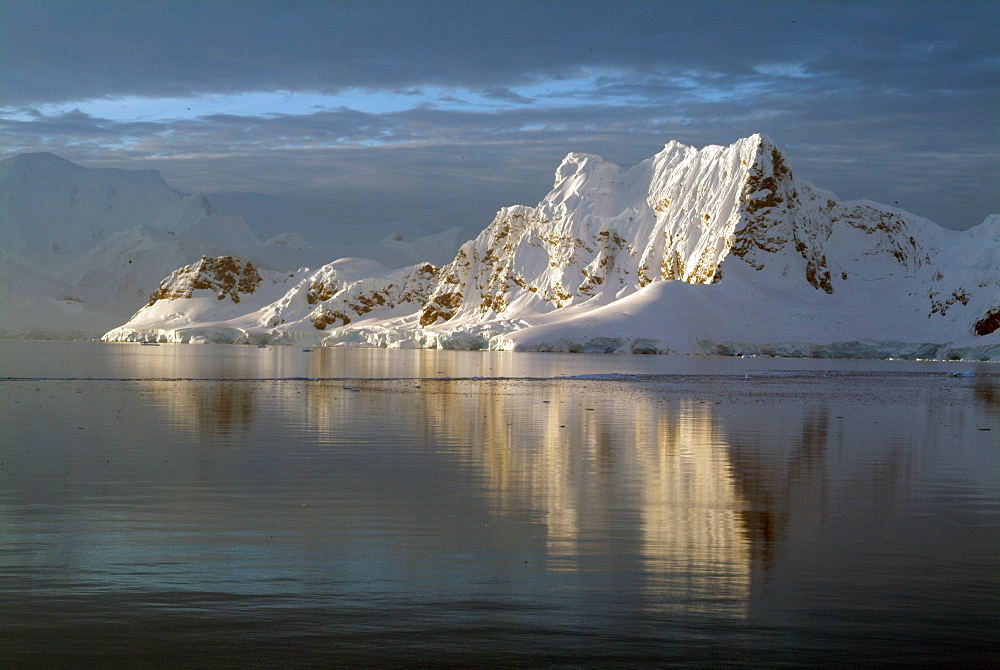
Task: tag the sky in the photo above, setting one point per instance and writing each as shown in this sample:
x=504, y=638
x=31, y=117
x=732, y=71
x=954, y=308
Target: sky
x=440, y=113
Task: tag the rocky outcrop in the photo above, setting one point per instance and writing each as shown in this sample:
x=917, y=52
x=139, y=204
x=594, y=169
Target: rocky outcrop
x=338, y=303
x=225, y=276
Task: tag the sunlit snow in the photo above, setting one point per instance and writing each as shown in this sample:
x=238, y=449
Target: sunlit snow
x=712, y=251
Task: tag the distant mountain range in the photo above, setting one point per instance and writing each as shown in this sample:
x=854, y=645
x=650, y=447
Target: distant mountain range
x=712, y=251
x=81, y=249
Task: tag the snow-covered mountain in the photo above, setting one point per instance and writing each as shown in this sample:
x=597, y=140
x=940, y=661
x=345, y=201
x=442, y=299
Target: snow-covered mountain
x=718, y=250
x=80, y=248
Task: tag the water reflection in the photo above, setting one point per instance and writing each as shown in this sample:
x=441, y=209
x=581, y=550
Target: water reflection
x=987, y=393
x=390, y=480
x=689, y=487
x=626, y=487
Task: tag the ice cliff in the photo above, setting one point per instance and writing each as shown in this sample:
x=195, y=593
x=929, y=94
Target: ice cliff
x=718, y=250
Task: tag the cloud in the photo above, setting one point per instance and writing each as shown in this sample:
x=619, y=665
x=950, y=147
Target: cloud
x=63, y=51
x=444, y=112
x=506, y=95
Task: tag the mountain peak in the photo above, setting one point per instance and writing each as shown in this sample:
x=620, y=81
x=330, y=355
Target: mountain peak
x=38, y=160
x=582, y=164
x=54, y=205
x=759, y=138
x=44, y=165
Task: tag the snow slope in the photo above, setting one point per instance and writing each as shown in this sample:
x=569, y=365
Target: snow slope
x=716, y=251
x=81, y=248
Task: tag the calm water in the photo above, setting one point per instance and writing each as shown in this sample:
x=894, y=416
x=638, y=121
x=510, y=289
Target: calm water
x=227, y=506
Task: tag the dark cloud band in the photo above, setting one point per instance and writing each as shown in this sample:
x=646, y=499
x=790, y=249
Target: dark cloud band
x=893, y=101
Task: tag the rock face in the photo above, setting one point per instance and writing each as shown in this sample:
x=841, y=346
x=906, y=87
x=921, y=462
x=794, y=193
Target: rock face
x=225, y=276
x=339, y=302
x=769, y=264
x=335, y=295
x=199, y=302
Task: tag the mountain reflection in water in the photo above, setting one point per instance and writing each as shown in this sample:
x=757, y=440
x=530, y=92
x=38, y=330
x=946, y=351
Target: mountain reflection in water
x=390, y=507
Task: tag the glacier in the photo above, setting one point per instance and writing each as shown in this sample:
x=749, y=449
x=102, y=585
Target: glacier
x=715, y=251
